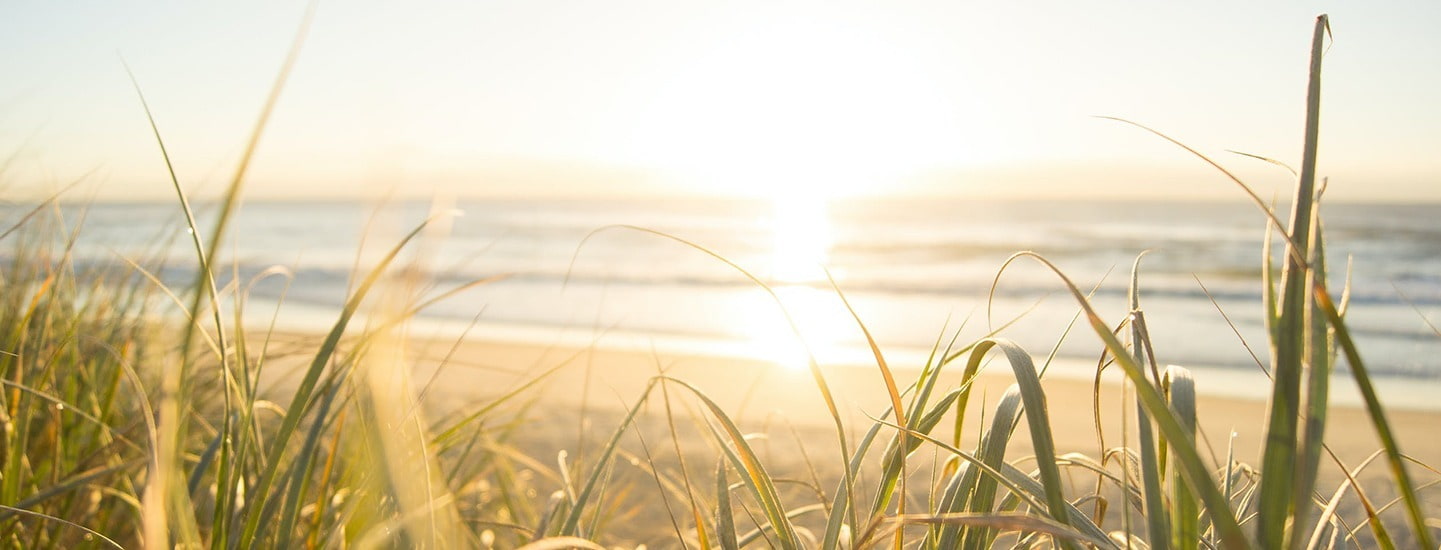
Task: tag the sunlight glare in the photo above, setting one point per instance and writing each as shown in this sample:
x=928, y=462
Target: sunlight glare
x=800, y=239
x=800, y=248
x=819, y=316
x=804, y=105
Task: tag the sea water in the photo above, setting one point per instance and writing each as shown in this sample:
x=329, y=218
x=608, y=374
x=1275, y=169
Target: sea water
x=920, y=274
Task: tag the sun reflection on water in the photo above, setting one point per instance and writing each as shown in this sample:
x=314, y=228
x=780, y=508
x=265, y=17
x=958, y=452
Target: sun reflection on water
x=819, y=317
x=801, y=238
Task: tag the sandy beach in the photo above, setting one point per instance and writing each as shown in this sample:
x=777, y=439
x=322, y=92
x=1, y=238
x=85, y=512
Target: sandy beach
x=753, y=391
x=582, y=397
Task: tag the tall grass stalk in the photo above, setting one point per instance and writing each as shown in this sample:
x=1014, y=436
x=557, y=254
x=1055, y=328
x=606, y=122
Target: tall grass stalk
x=1279, y=504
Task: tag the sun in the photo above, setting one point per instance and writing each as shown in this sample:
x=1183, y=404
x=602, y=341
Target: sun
x=788, y=107
x=801, y=239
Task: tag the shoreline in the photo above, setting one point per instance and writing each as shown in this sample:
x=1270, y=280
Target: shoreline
x=1397, y=393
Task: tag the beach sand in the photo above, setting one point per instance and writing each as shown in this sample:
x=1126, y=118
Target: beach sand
x=753, y=391
x=578, y=404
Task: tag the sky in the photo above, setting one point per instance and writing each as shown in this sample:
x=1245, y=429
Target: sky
x=543, y=98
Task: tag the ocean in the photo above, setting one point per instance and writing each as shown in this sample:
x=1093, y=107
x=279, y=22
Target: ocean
x=918, y=273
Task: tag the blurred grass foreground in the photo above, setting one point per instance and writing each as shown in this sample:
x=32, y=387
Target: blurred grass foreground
x=127, y=424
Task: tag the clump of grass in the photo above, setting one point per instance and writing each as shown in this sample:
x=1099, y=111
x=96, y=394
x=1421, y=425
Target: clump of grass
x=74, y=405
x=120, y=431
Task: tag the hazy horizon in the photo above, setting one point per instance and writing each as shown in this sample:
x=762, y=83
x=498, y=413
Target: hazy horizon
x=636, y=99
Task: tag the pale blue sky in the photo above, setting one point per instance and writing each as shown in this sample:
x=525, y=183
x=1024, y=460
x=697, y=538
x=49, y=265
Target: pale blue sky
x=752, y=98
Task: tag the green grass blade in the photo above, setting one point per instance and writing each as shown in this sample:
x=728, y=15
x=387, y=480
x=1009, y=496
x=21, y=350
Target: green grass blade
x=77, y=411
x=724, y=520
x=894, y=461
x=1185, y=510
x=1020, y=484
x=88, y=531
x=756, y=478
x=1378, y=419
x=1158, y=527
x=1319, y=352
x=69, y=484
x=205, y=275
x=290, y=514
x=300, y=402
x=798, y=512
x=161, y=495
x=1383, y=538
x=203, y=464
x=886, y=375
x=843, y=500
x=1027, y=483
x=952, y=501
x=1267, y=160
x=890, y=380
x=572, y=520
x=1037, y=418
x=1279, y=455
x=1192, y=467
x=992, y=450
x=168, y=503
x=1268, y=290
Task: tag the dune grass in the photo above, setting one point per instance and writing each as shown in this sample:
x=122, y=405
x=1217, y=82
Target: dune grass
x=129, y=425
